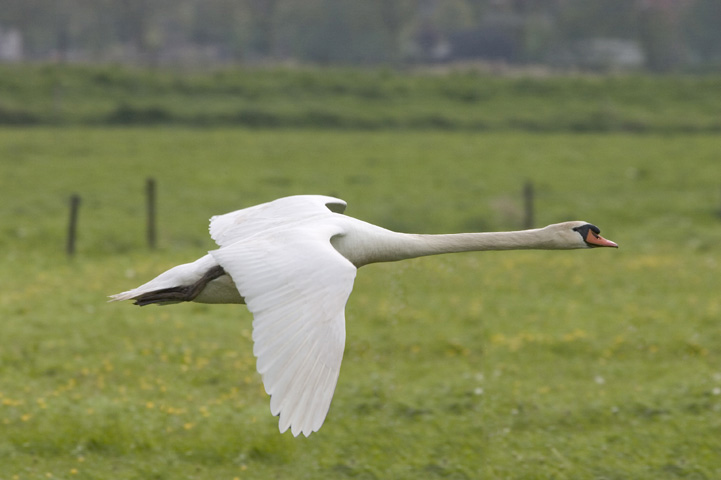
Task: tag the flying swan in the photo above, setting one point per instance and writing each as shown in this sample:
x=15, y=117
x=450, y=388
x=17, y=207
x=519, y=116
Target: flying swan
x=292, y=261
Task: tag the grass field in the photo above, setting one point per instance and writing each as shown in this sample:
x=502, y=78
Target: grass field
x=533, y=365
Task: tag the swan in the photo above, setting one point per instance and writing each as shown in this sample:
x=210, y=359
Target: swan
x=293, y=261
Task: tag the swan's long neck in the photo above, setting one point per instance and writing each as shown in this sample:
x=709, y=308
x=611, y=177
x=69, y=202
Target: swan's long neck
x=475, y=242
x=387, y=246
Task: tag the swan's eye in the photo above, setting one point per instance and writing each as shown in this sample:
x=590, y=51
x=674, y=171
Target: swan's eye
x=587, y=229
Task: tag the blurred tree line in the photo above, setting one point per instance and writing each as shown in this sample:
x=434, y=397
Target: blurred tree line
x=660, y=35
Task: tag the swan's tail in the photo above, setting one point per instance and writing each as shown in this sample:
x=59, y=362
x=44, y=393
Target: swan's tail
x=179, y=284
x=164, y=296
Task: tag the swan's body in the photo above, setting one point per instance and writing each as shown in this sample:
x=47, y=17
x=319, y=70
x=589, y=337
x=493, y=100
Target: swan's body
x=293, y=262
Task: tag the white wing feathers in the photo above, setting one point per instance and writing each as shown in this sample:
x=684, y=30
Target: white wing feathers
x=296, y=286
x=234, y=226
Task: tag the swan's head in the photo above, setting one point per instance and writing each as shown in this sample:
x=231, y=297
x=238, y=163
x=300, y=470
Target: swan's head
x=580, y=235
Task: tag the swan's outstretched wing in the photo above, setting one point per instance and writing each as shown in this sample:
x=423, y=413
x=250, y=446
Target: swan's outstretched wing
x=296, y=285
x=234, y=226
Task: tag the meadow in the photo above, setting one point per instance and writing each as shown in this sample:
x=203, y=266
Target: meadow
x=591, y=364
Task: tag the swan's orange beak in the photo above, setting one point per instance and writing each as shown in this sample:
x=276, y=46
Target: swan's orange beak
x=595, y=240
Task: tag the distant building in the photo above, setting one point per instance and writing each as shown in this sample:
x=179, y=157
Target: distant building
x=601, y=54
x=11, y=45
x=498, y=44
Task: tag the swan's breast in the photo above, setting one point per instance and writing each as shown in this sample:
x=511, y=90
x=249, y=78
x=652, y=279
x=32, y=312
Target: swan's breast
x=363, y=243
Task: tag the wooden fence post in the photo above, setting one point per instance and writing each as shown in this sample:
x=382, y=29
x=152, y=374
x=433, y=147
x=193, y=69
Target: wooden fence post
x=72, y=224
x=150, y=196
x=528, y=195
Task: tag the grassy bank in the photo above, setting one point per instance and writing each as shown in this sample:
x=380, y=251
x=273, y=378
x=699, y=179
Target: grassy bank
x=357, y=99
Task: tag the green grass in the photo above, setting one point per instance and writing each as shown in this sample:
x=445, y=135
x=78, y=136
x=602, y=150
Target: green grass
x=357, y=99
x=567, y=365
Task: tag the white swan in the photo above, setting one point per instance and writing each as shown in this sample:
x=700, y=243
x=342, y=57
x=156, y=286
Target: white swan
x=292, y=261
